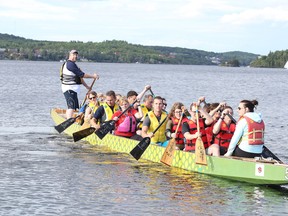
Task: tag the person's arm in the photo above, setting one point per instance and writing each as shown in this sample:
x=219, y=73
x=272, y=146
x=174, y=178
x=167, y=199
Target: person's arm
x=145, y=127
x=186, y=132
x=208, y=118
x=217, y=125
x=139, y=114
x=97, y=116
x=236, y=137
x=169, y=126
x=141, y=94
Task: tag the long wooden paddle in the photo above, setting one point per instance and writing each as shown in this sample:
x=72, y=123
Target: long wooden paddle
x=90, y=88
x=140, y=148
x=64, y=125
x=108, y=126
x=168, y=154
x=103, y=130
x=266, y=152
x=200, y=152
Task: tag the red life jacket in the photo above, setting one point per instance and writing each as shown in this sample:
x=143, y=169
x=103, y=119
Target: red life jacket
x=255, y=133
x=225, y=134
x=190, y=144
x=179, y=136
x=209, y=132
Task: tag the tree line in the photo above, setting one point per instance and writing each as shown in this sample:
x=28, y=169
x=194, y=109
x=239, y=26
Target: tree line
x=272, y=60
x=115, y=51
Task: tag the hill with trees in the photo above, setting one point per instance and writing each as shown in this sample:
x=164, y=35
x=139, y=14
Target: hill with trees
x=273, y=60
x=19, y=48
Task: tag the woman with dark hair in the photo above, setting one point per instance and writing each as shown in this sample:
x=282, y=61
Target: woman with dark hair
x=249, y=132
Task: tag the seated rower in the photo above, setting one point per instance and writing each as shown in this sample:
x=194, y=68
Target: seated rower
x=174, y=118
x=189, y=130
x=249, y=132
x=224, y=129
x=152, y=121
x=91, y=108
x=126, y=125
x=105, y=111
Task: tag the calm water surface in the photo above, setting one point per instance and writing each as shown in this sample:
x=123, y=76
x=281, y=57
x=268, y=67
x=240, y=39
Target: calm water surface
x=45, y=173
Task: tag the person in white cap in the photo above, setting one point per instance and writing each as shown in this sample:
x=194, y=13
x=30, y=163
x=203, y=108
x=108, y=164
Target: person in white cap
x=71, y=78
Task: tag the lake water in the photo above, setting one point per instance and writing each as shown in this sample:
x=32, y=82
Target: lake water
x=46, y=173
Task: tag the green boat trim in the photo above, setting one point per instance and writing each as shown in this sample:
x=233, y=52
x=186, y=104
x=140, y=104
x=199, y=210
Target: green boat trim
x=254, y=171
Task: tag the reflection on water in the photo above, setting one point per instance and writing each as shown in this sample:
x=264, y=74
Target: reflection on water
x=45, y=173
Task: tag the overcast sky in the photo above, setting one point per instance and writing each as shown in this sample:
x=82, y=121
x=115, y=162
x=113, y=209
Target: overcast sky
x=256, y=26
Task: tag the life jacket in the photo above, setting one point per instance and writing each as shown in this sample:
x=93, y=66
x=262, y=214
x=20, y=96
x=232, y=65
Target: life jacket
x=127, y=123
x=108, y=112
x=179, y=135
x=255, y=135
x=93, y=107
x=67, y=77
x=144, y=111
x=225, y=134
x=159, y=136
x=190, y=144
x=209, y=132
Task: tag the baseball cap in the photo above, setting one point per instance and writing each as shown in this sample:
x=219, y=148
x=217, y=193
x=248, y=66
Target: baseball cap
x=73, y=51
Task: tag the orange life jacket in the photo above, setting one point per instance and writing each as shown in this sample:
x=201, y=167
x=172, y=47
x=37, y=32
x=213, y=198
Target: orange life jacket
x=255, y=135
x=225, y=134
x=190, y=144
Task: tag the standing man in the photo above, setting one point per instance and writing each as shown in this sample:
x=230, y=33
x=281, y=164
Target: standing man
x=72, y=77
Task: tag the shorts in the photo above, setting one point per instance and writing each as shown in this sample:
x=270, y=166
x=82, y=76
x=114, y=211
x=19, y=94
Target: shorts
x=71, y=99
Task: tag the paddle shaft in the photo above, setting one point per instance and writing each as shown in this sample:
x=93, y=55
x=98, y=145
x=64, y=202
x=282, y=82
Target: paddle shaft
x=131, y=105
x=159, y=125
x=153, y=95
x=140, y=148
x=168, y=154
x=90, y=88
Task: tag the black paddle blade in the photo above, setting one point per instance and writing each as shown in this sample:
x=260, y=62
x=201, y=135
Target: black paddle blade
x=105, y=128
x=82, y=133
x=64, y=125
x=140, y=148
x=267, y=153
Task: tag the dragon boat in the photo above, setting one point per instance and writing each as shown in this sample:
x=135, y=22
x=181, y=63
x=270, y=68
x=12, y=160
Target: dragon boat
x=258, y=171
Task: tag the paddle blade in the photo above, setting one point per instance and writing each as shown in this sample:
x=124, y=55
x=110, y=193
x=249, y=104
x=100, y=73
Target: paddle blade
x=105, y=128
x=140, y=148
x=64, y=125
x=168, y=154
x=83, y=133
x=267, y=153
x=200, y=152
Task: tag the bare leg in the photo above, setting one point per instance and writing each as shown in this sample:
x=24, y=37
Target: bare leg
x=214, y=150
x=69, y=113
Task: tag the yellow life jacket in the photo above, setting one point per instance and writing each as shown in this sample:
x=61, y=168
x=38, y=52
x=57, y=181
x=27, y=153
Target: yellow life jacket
x=93, y=107
x=108, y=112
x=159, y=136
x=145, y=111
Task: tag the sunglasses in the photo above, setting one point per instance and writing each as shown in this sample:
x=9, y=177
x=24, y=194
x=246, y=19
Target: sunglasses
x=91, y=98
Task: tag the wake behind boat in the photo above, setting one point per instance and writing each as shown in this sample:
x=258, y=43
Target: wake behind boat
x=255, y=171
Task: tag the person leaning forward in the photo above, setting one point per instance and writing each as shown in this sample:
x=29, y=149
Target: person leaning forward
x=72, y=77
